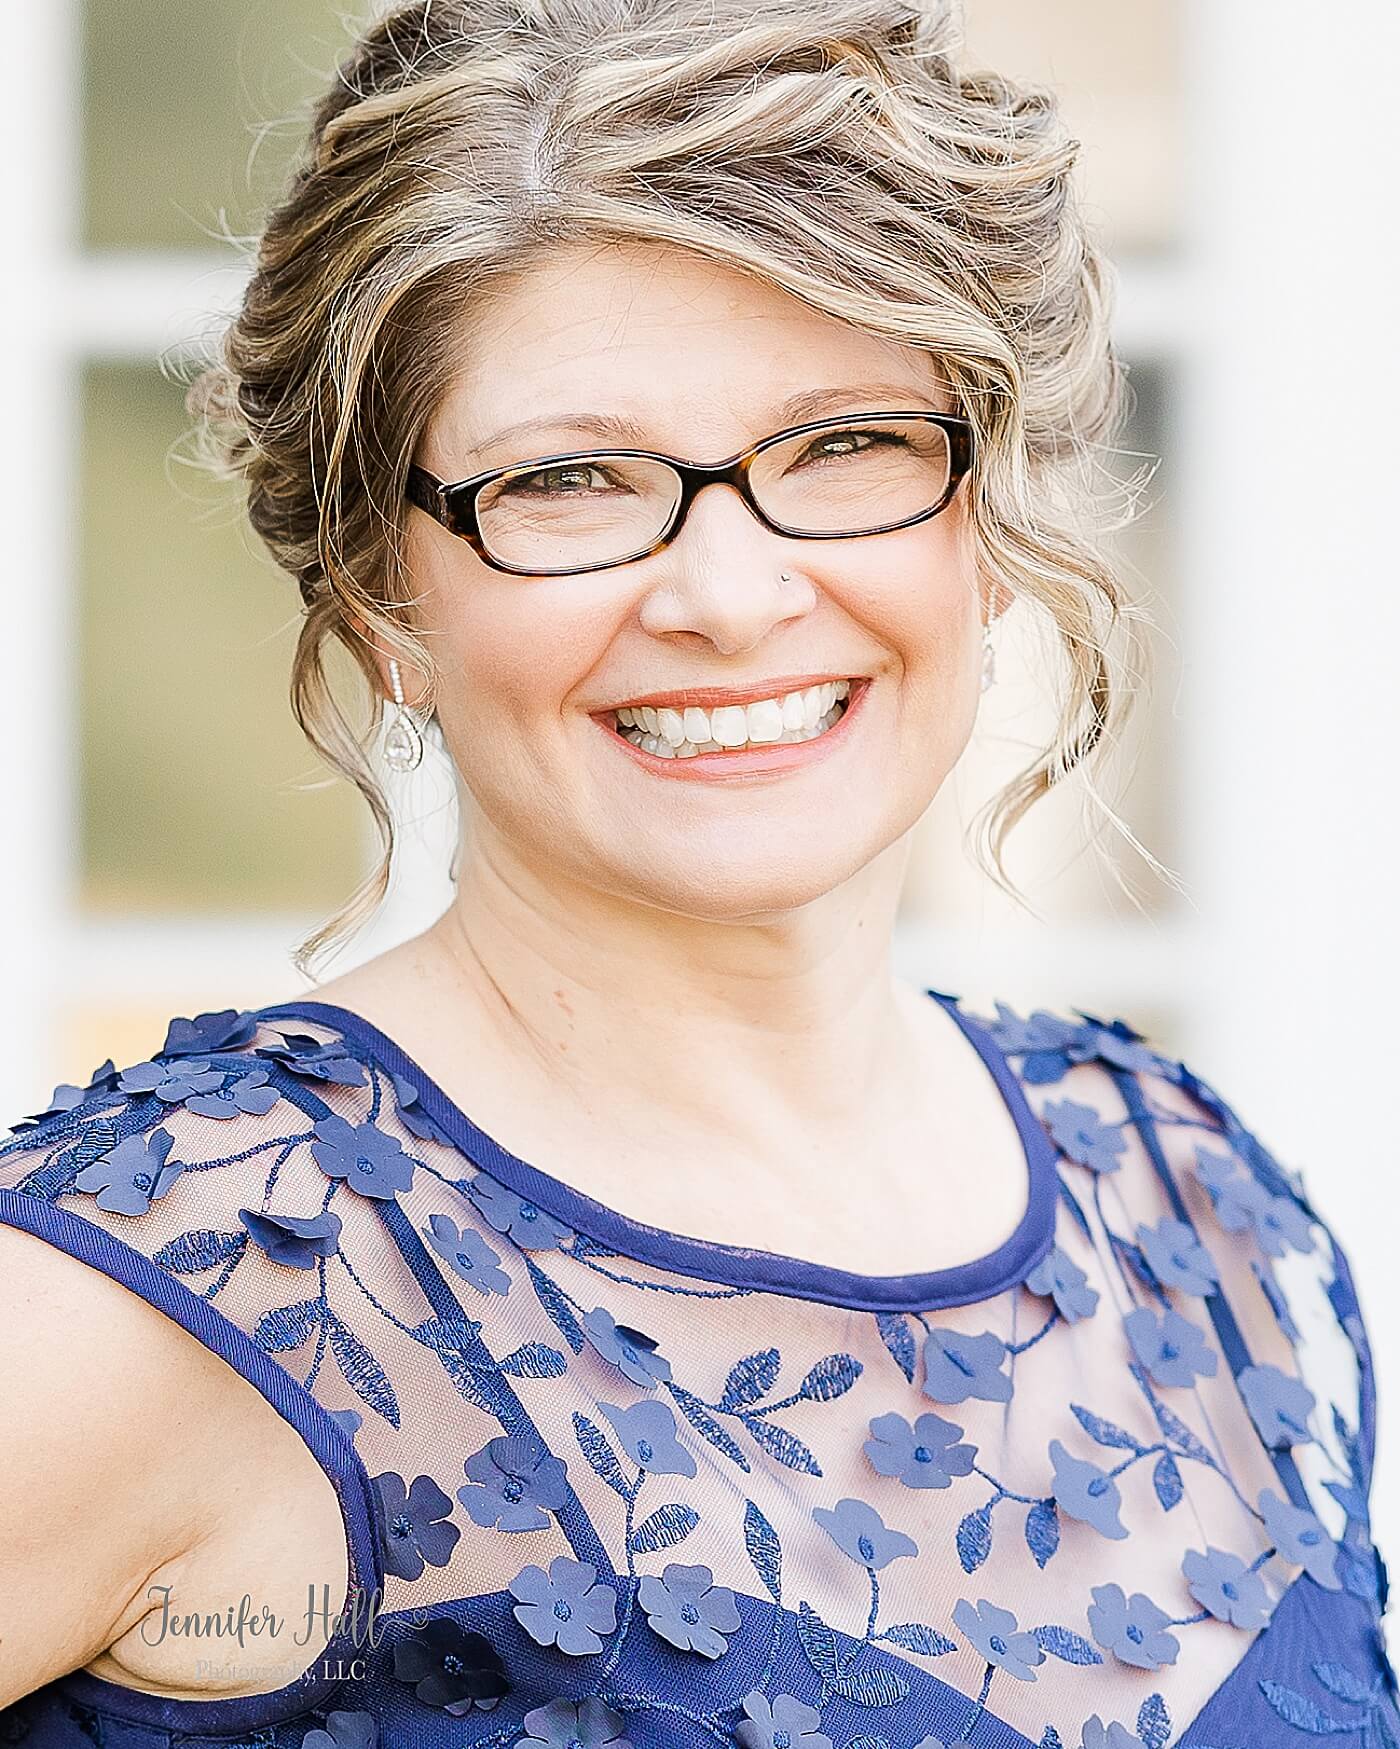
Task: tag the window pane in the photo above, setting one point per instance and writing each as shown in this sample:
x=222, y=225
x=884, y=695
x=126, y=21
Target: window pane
x=191, y=759
x=174, y=95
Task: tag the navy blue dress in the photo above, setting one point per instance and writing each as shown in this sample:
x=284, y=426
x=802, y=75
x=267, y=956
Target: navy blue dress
x=603, y=1484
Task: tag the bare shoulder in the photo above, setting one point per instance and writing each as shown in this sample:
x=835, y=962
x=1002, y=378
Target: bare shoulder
x=123, y=1442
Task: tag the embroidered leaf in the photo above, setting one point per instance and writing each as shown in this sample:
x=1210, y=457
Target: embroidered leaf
x=1061, y=1643
x=1175, y=1429
x=1154, y=1724
x=915, y=1637
x=362, y=1372
x=700, y=1418
x=1166, y=1479
x=286, y=1327
x=560, y=1311
x=601, y=1457
x=1103, y=1432
x=831, y=1378
x=895, y=1334
x=864, y=1742
x=782, y=1445
x=750, y=1379
x=583, y=1246
x=667, y=1526
x=1042, y=1531
x=536, y=1360
x=1050, y=1738
x=1346, y=1686
x=818, y=1642
x=975, y=1538
x=1296, y=1709
x=449, y=1338
x=879, y=1686
x=765, y=1551
x=202, y=1249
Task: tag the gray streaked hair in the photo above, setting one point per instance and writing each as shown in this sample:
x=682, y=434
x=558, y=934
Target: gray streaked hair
x=836, y=149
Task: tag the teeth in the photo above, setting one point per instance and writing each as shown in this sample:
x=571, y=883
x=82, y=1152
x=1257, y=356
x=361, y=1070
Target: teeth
x=797, y=715
x=687, y=749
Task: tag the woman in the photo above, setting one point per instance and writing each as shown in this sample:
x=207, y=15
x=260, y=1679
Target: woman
x=627, y=1313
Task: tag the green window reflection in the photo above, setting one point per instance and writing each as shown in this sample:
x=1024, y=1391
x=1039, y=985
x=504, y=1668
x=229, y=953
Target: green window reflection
x=196, y=782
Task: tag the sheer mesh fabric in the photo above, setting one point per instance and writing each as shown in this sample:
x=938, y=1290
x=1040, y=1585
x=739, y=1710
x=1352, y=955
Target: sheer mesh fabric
x=922, y=1511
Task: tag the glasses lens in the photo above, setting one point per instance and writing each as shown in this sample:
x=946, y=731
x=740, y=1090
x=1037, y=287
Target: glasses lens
x=591, y=511
x=852, y=478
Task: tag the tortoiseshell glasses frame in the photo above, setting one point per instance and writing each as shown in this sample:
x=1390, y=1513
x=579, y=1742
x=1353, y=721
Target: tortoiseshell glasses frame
x=454, y=505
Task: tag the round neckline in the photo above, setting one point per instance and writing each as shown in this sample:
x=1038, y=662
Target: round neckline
x=716, y=1262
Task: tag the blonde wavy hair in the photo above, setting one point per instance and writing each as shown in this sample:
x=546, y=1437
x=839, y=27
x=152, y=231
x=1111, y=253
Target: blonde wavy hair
x=835, y=149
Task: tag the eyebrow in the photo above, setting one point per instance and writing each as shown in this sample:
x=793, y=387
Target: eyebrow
x=796, y=410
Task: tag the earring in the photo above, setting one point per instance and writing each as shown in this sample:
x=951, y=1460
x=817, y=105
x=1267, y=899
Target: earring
x=989, y=657
x=403, y=745
x=784, y=577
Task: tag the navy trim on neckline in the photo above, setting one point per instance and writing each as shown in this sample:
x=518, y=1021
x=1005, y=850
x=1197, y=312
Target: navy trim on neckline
x=735, y=1265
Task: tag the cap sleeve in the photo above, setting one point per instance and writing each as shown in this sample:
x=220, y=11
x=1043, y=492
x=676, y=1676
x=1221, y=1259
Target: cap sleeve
x=179, y=1178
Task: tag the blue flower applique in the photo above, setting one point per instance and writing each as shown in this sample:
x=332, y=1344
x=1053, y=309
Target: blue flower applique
x=349, y=1421
x=686, y=1607
x=369, y=1161
x=1086, y=1492
x=1133, y=1628
x=412, y=1531
x=1058, y=1277
x=993, y=1633
x=1240, y=1202
x=295, y=1240
x=565, y=1607
x=1278, y=1404
x=451, y=1667
x=1098, y=1735
x=344, y=1730
x=1299, y=1537
x=957, y=1367
x=924, y=1455
x=1177, y=1257
x=569, y=1724
x=634, y=1355
x=300, y=1054
x=647, y=1431
x=782, y=1723
x=528, y=1225
x=469, y=1255
x=224, y=1030
x=130, y=1177
x=172, y=1083
x=411, y=1113
x=1083, y=1136
x=250, y=1095
x=515, y=1482
x=860, y=1533
x=1222, y=1584
x=1172, y=1348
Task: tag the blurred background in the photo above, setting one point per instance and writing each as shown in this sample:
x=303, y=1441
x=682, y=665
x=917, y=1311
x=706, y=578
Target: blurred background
x=169, y=837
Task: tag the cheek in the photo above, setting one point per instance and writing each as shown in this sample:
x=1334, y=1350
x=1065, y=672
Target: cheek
x=507, y=651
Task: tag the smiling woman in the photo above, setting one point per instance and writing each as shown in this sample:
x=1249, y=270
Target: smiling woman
x=664, y=404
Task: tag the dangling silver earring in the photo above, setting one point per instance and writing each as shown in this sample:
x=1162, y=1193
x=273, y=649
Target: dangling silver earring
x=989, y=657
x=403, y=745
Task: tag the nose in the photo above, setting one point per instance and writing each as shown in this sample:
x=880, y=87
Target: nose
x=720, y=578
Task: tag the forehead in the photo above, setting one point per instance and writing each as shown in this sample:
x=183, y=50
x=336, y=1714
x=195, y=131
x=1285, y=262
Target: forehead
x=694, y=356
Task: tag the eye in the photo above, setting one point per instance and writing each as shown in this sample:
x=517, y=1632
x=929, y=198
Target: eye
x=835, y=445
x=540, y=484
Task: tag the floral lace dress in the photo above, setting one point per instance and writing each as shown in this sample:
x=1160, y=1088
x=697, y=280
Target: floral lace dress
x=604, y=1485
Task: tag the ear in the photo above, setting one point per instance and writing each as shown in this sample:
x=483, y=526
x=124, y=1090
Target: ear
x=380, y=656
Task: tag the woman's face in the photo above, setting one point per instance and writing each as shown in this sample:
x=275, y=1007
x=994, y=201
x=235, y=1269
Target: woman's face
x=701, y=360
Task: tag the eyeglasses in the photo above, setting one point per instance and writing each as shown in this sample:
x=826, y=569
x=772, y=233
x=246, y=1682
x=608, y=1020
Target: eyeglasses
x=587, y=510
